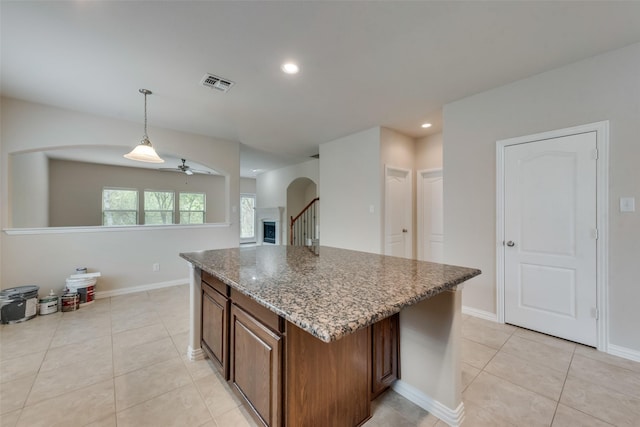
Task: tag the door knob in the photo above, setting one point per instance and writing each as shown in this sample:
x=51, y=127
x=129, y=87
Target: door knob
x=511, y=243
x=404, y=230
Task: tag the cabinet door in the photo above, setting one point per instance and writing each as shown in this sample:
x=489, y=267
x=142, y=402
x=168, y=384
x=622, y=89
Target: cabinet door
x=385, y=350
x=215, y=326
x=256, y=366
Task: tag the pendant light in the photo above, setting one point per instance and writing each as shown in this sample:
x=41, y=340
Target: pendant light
x=144, y=151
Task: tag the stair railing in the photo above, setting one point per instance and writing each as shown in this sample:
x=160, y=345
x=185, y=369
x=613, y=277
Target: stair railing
x=303, y=226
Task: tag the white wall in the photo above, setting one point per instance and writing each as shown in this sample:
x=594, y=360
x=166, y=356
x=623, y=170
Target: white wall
x=350, y=192
x=248, y=185
x=605, y=87
x=396, y=149
x=429, y=152
x=124, y=257
x=271, y=188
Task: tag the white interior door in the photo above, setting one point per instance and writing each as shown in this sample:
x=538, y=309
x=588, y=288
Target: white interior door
x=398, y=209
x=430, y=215
x=550, y=236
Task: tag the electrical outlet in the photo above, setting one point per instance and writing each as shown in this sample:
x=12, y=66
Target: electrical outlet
x=627, y=204
x=156, y=267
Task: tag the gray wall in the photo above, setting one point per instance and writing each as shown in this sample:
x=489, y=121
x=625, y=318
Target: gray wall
x=75, y=190
x=30, y=190
x=605, y=87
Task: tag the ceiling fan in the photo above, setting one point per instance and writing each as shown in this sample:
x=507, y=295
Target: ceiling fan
x=186, y=169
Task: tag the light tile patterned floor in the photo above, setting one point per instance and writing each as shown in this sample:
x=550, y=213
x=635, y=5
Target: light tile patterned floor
x=121, y=362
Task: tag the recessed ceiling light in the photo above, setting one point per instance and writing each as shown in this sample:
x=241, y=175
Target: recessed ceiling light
x=290, y=68
x=426, y=125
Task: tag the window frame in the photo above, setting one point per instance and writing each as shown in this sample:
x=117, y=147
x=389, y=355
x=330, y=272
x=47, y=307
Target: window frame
x=254, y=238
x=204, y=211
x=136, y=211
x=171, y=211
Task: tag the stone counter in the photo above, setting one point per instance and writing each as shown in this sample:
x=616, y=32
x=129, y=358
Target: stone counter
x=333, y=293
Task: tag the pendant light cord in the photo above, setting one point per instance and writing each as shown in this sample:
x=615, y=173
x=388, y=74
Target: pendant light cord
x=146, y=137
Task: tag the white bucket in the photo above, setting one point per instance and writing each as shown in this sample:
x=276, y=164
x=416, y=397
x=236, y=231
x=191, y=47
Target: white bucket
x=84, y=287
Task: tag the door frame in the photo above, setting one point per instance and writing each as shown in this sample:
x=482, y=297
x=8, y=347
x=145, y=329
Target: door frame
x=409, y=234
x=602, y=219
x=421, y=174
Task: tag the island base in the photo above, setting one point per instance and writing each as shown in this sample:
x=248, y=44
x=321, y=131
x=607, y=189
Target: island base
x=327, y=384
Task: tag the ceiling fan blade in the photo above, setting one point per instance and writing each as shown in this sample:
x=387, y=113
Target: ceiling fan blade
x=200, y=172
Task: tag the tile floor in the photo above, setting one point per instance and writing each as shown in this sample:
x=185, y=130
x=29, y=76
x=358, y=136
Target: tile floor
x=121, y=362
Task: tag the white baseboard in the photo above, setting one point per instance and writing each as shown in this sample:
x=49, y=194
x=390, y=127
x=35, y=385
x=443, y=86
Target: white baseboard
x=197, y=354
x=624, y=352
x=141, y=288
x=479, y=313
x=452, y=417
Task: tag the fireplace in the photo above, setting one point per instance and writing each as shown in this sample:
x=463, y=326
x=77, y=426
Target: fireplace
x=269, y=232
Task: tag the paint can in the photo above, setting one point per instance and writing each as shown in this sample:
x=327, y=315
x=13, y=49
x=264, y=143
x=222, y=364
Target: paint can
x=85, y=287
x=70, y=301
x=18, y=304
x=48, y=304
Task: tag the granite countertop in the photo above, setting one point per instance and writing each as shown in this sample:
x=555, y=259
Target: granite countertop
x=331, y=294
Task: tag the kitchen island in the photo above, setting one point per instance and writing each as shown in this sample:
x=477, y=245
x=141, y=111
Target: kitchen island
x=294, y=329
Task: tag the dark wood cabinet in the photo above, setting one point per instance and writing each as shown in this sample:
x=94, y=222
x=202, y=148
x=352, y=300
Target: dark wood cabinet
x=327, y=384
x=256, y=365
x=384, y=354
x=215, y=324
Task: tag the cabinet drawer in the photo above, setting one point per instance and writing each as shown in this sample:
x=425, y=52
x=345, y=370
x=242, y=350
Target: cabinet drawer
x=214, y=283
x=263, y=314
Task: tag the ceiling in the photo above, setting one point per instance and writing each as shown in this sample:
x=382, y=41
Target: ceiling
x=363, y=64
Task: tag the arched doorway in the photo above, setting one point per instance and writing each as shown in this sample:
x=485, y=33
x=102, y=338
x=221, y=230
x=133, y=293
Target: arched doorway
x=300, y=193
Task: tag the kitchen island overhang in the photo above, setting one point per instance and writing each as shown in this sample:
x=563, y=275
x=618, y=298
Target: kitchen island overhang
x=334, y=293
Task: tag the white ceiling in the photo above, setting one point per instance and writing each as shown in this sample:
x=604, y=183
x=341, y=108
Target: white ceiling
x=364, y=64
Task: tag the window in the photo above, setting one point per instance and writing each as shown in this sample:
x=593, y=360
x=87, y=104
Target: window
x=158, y=207
x=119, y=206
x=192, y=208
x=247, y=217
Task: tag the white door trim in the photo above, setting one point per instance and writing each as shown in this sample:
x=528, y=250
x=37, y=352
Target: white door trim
x=422, y=174
x=602, y=209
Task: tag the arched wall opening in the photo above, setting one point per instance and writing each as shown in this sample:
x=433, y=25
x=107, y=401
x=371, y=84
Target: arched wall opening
x=300, y=192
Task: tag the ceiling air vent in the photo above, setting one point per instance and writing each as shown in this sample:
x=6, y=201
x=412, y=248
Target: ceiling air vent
x=215, y=82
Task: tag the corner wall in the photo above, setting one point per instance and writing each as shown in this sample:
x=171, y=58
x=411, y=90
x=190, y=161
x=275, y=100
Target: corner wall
x=350, y=194
x=604, y=87
x=429, y=152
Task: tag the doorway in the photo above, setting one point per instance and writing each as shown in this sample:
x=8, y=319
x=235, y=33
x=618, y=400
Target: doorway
x=398, y=217
x=430, y=215
x=300, y=192
x=551, y=232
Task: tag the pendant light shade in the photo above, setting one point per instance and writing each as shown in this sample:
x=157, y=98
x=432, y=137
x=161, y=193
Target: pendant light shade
x=144, y=151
